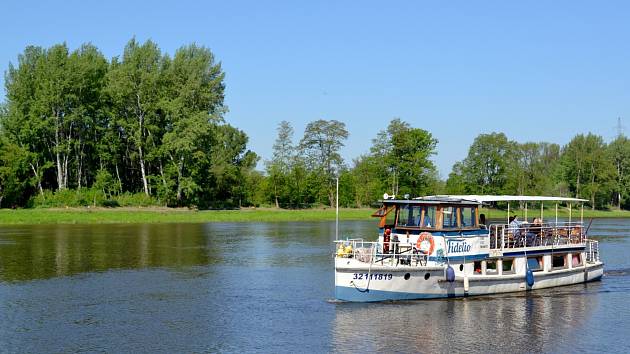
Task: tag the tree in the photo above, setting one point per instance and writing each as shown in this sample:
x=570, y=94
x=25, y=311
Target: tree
x=409, y=158
x=484, y=170
x=136, y=87
x=619, y=154
x=321, y=144
x=406, y=152
x=456, y=184
x=54, y=98
x=369, y=179
x=193, y=100
x=586, y=168
x=279, y=167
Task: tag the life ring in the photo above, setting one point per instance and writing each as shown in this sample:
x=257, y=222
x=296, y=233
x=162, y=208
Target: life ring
x=421, y=243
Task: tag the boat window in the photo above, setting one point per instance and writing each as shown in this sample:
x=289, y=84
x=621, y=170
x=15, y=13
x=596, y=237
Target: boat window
x=387, y=217
x=467, y=216
x=535, y=263
x=409, y=216
x=508, y=265
x=577, y=260
x=449, y=217
x=491, y=267
x=477, y=266
x=429, y=216
x=558, y=261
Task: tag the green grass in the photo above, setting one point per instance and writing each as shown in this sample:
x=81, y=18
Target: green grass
x=167, y=215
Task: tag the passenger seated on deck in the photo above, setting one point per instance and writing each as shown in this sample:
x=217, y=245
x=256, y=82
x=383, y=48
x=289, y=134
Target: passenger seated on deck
x=394, y=248
x=482, y=221
x=533, y=233
x=514, y=227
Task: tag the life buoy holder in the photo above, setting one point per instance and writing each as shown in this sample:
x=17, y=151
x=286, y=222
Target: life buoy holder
x=421, y=243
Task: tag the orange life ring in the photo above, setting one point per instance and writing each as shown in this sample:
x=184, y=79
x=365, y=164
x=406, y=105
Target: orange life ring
x=425, y=236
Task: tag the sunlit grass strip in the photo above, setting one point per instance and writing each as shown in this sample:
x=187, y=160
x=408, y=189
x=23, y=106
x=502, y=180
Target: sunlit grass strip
x=140, y=215
x=165, y=215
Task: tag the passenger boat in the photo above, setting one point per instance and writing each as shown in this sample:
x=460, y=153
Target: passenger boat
x=441, y=246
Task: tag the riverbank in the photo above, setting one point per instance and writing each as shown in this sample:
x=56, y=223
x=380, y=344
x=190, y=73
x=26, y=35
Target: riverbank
x=171, y=215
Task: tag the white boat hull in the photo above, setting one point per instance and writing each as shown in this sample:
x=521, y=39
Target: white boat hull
x=359, y=282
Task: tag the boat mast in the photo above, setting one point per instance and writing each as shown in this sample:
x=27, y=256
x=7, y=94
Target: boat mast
x=337, y=212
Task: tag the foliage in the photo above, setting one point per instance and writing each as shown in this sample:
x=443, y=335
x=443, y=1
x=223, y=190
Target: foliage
x=320, y=147
x=585, y=168
x=141, y=122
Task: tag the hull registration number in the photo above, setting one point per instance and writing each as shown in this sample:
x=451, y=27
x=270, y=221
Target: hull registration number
x=373, y=276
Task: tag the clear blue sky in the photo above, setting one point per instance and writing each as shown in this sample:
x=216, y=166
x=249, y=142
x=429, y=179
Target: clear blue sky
x=537, y=71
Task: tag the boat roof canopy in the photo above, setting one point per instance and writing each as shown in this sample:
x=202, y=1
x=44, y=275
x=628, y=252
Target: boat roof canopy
x=504, y=198
x=442, y=199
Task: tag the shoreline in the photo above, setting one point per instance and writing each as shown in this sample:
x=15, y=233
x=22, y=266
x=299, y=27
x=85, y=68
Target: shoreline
x=131, y=215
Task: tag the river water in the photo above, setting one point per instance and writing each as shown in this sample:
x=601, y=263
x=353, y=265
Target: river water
x=268, y=287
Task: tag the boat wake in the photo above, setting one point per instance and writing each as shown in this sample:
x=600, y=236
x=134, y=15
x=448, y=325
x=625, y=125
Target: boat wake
x=617, y=272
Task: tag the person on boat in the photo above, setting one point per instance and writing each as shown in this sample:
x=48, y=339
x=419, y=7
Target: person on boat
x=515, y=228
x=482, y=221
x=514, y=223
x=394, y=248
x=427, y=221
x=536, y=231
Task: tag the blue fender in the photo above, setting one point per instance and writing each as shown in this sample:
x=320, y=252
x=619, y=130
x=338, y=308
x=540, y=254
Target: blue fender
x=450, y=274
x=529, y=277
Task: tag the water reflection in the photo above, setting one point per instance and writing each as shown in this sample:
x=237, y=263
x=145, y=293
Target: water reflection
x=514, y=322
x=37, y=252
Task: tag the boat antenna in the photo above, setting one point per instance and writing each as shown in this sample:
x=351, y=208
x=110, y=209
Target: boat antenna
x=337, y=212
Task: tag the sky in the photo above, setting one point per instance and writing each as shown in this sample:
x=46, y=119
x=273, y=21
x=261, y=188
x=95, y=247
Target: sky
x=535, y=70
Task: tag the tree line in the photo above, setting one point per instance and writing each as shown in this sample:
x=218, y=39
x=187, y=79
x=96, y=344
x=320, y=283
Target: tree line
x=145, y=128
x=587, y=167
x=142, y=122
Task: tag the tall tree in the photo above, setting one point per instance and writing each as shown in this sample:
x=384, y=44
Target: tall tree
x=587, y=169
x=194, y=100
x=406, y=153
x=279, y=167
x=321, y=144
x=136, y=87
x=619, y=154
x=485, y=168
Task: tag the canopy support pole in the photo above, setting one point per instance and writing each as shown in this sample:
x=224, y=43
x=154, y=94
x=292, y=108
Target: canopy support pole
x=556, y=214
x=569, y=213
x=582, y=214
x=525, y=212
x=541, y=212
x=508, y=216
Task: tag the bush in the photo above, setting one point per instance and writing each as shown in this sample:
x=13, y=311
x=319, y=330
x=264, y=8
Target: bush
x=89, y=197
x=137, y=199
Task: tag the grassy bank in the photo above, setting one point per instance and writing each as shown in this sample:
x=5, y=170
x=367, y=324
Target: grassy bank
x=167, y=215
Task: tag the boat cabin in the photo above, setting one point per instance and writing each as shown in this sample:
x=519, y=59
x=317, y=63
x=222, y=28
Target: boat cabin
x=442, y=215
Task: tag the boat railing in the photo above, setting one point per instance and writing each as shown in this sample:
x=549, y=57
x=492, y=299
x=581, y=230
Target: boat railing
x=592, y=251
x=506, y=236
x=393, y=252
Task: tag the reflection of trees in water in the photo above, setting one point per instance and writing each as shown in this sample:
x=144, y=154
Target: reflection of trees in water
x=530, y=322
x=34, y=252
